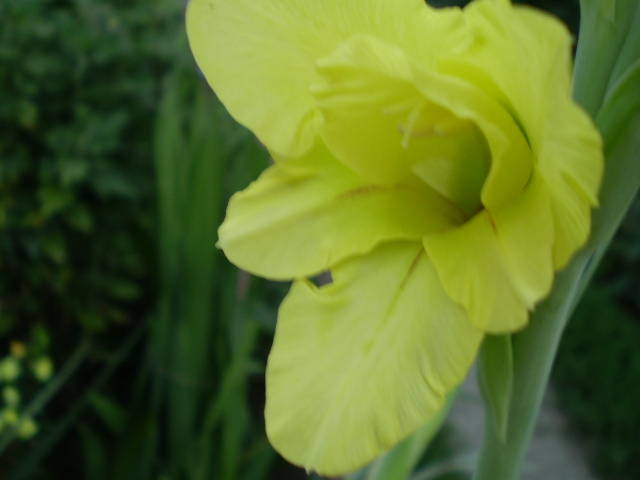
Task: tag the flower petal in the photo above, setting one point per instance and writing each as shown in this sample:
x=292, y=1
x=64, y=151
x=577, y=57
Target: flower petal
x=572, y=162
x=524, y=59
x=373, y=89
x=521, y=57
x=499, y=264
x=303, y=216
x=369, y=92
x=259, y=56
x=361, y=363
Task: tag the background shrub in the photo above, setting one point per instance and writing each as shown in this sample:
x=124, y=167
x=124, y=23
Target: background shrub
x=79, y=82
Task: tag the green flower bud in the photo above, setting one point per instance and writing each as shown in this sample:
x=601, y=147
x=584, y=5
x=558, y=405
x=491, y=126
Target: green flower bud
x=9, y=416
x=9, y=369
x=42, y=368
x=11, y=396
x=27, y=428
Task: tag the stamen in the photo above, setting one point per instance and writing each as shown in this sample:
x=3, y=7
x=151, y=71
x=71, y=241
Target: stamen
x=449, y=125
x=409, y=129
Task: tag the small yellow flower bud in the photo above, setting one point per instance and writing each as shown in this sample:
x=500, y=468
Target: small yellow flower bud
x=17, y=349
x=42, y=368
x=11, y=396
x=9, y=369
x=27, y=428
x=9, y=416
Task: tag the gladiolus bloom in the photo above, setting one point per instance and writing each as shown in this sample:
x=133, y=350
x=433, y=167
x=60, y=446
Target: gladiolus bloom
x=432, y=160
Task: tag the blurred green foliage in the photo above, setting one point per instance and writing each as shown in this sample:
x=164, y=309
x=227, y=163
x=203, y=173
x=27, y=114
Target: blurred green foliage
x=79, y=80
x=116, y=162
x=597, y=373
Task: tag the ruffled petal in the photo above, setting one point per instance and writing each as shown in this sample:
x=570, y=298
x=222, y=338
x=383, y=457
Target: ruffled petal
x=572, y=163
x=303, y=216
x=259, y=56
x=373, y=89
x=523, y=59
x=499, y=264
x=361, y=363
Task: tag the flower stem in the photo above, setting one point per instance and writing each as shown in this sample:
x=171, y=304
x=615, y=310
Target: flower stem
x=534, y=351
x=535, y=348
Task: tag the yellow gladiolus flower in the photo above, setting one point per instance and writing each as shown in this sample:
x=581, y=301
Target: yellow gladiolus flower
x=432, y=160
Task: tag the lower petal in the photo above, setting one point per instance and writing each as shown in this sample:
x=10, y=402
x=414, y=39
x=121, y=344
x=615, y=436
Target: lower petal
x=359, y=364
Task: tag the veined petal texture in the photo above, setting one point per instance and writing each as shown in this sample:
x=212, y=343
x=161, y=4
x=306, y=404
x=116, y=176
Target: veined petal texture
x=259, y=56
x=304, y=216
x=499, y=264
x=359, y=364
x=523, y=59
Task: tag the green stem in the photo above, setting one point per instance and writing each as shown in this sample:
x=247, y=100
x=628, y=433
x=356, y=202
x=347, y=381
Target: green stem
x=535, y=348
x=534, y=351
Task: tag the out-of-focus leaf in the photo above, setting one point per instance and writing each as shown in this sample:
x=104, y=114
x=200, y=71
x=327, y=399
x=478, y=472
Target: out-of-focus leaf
x=52, y=200
x=72, y=170
x=136, y=452
x=80, y=219
x=495, y=375
x=608, y=8
x=94, y=454
x=621, y=103
x=114, y=416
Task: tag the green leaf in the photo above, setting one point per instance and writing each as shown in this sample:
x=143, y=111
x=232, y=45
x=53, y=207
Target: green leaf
x=535, y=347
x=629, y=51
x=52, y=200
x=495, y=375
x=135, y=456
x=72, y=170
x=621, y=103
x=80, y=219
x=608, y=9
x=94, y=454
x=113, y=415
x=605, y=50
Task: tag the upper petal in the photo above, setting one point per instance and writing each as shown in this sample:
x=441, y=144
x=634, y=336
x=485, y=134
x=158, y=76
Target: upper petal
x=304, y=215
x=379, y=123
x=259, y=56
x=359, y=364
x=523, y=59
x=572, y=162
x=384, y=112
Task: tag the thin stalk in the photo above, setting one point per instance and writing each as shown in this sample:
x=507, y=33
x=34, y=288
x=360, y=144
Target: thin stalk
x=50, y=390
x=534, y=351
x=535, y=348
x=31, y=462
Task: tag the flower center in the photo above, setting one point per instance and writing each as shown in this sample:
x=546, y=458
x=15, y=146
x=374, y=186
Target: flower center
x=448, y=153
